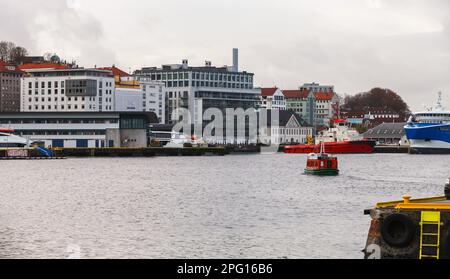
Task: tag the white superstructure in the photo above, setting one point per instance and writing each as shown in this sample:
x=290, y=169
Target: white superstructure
x=8, y=140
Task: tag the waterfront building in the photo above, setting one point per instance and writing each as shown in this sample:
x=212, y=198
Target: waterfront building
x=200, y=88
x=77, y=90
x=291, y=129
x=272, y=98
x=372, y=117
x=388, y=133
x=81, y=129
x=135, y=93
x=354, y=118
x=10, y=77
x=317, y=104
x=327, y=108
x=128, y=98
x=302, y=102
x=154, y=97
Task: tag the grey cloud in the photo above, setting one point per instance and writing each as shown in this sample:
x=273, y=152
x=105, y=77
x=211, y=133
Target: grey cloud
x=54, y=26
x=354, y=44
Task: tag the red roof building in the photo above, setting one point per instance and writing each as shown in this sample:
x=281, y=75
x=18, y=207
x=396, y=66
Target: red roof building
x=324, y=96
x=266, y=92
x=272, y=98
x=116, y=71
x=300, y=94
x=40, y=66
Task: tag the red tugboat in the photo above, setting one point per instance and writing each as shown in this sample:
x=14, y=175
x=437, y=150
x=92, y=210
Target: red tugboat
x=322, y=163
x=337, y=140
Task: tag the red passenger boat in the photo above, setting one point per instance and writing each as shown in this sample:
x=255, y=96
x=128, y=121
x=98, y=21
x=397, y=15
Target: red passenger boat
x=337, y=140
x=322, y=163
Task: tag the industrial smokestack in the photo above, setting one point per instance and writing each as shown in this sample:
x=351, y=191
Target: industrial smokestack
x=235, y=60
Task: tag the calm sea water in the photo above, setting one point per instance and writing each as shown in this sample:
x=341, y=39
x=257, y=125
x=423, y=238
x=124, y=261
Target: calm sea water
x=241, y=206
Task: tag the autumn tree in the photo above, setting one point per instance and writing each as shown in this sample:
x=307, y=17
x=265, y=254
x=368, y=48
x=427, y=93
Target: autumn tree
x=376, y=99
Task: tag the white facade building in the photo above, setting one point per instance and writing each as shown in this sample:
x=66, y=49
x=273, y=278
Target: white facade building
x=81, y=129
x=290, y=129
x=326, y=106
x=154, y=98
x=70, y=90
x=151, y=95
x=273, y=98
x=200, y=88
x=128, y=99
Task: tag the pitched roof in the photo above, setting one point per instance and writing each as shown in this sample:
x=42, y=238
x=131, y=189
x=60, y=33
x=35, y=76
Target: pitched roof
x=47, y=65
x=116, y=71
x=268, y=91
x=386, y=130
x=324, y=96
x=284, y=117
x=296, y=93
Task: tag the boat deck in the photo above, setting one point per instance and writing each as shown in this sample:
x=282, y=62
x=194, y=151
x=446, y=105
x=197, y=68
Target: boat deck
x=433, y=203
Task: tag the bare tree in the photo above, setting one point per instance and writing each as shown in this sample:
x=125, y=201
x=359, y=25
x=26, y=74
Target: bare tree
x=5, y=50
x=17, y=54
x=11, y=53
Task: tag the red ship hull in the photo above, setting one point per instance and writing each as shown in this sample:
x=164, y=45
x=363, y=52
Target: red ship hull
x=350, y=147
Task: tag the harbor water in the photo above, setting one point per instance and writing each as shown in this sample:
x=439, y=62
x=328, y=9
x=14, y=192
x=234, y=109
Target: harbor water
x=237, y=206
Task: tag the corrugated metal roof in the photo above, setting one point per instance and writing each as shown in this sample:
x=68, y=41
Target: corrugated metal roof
x=386, y=130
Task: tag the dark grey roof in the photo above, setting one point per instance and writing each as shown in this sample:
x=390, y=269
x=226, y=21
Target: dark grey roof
x=285, y=116
x=386, y=130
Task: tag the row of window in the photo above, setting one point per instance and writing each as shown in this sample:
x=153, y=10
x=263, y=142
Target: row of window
x=56, y=84
x=43, y=83
x=59, y=121
x=49, y=92
x=56, y=107
x=62, y=99
x=201, y=76
x=208, y=84
x=63, y=133
x=290, y=131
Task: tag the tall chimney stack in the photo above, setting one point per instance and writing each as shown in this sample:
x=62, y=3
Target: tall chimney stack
x=235, y=60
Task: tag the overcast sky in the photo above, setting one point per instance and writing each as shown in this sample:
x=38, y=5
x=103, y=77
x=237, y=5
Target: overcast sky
x=354, y=44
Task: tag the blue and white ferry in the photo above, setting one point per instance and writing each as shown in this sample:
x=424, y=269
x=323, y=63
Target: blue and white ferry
x=429, y=131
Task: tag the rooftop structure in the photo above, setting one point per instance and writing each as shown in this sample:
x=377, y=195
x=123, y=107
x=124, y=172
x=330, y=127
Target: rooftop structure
x=203, y=87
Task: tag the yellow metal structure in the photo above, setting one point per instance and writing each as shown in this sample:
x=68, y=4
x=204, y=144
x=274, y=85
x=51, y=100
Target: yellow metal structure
x=413, y=203
x=430, y=234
